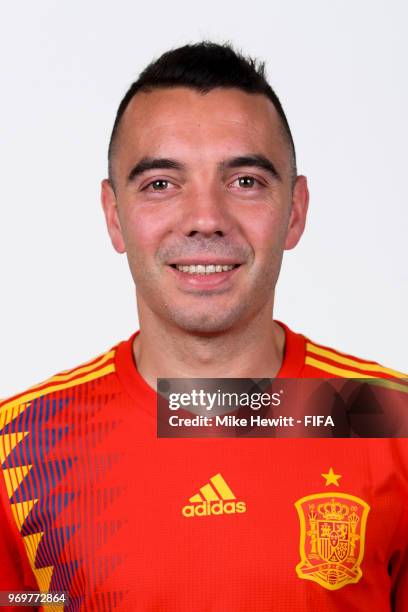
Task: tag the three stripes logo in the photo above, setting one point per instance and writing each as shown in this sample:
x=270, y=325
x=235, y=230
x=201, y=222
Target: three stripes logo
x=214, y=498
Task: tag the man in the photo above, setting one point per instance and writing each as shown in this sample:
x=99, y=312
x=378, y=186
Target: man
x=203, y=195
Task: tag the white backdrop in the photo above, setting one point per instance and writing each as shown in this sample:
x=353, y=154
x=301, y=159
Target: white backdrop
x=340, y=70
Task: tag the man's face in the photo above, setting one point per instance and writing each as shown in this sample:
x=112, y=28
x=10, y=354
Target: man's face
x=204, y=205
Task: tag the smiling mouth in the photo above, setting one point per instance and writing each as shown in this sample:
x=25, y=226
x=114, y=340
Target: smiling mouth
x=204, y=269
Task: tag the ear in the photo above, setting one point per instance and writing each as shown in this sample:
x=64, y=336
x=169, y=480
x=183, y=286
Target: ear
x=297, y=220
x=110, y=208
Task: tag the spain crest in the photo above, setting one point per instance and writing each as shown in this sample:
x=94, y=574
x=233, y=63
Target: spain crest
x=332, y=535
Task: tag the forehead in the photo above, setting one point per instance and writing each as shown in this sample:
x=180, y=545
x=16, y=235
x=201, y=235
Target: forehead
x=184, y=121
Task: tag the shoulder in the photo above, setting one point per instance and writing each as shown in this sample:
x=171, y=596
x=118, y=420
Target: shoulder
x=96, y=369
x=325, y=361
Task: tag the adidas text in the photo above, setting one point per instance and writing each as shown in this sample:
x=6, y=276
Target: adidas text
x=207, y=508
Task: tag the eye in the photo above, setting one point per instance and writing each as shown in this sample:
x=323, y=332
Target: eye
x=246, y=181
x=158, y=185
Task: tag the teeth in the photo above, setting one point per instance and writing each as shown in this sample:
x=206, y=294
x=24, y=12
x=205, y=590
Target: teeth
x=200, y=269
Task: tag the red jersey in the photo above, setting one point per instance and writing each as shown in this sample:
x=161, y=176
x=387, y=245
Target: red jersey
x=95, y=504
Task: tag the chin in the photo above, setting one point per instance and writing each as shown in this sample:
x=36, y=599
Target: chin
x=205, y=323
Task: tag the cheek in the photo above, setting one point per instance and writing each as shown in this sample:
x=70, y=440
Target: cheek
x=266, y=231
x=143, y=233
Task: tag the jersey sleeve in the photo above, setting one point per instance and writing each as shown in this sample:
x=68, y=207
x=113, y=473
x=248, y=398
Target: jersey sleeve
x=399, y=576
x=398, y=567
x=15, y=571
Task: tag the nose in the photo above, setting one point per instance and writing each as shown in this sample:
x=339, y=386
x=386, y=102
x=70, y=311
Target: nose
x=206, y=214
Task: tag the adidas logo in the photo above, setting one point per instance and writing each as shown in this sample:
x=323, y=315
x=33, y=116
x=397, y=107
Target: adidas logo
x=214, y=498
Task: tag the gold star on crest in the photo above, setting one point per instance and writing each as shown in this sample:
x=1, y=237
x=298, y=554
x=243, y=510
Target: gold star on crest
x=331, y=478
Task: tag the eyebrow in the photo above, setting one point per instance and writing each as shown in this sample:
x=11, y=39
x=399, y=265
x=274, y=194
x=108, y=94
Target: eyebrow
x=154, y=163
x=254, y=161
x=163, y=163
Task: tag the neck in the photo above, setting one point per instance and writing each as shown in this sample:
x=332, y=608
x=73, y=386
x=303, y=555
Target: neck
x=254, y=350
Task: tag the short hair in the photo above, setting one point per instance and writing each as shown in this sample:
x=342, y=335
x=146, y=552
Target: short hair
x=203, y=66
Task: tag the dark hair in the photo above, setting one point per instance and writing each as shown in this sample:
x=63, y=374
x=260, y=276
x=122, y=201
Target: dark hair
x=203, y=66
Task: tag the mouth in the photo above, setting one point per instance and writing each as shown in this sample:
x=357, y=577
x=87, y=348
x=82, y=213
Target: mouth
x=209, y=277
x=204, y=269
